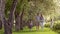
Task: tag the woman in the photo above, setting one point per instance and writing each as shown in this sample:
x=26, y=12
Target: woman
x=42, y=21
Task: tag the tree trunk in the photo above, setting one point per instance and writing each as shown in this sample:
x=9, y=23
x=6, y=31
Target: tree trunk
x=17, y=24
x=11, y=16
x=21, y=21
x=18, y=18
x=0, y=24
x=7, y=23
x=0, y=15
x=2, y=8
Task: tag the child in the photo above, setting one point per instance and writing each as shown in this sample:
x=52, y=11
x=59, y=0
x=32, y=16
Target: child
x=30, y=25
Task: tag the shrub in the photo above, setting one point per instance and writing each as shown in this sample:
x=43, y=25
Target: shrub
x=56, y=26
x=47, y=25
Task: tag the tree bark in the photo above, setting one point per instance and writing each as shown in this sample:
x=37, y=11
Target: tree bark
x=7, y=23
x=2, y=8
x=0, y=24
x=17, y=24
x=21, y=20
x=2, y=15
x=11, y=16
x=18, y=17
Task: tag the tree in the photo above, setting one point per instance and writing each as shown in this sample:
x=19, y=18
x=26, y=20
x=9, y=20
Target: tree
x=0, y=15
x=0, y=24
x=2, y=8
x=17, y=15
x=8, y=22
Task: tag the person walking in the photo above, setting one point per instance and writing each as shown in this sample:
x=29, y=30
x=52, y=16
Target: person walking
x=37, y=21
x=42, y=21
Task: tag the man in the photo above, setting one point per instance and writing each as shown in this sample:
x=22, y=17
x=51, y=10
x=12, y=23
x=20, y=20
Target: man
x=37, y=21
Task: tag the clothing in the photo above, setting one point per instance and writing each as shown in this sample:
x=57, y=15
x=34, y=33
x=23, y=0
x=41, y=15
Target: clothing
x=42, y=25
x=30, y=25
x=42, y=22
x=37, y=20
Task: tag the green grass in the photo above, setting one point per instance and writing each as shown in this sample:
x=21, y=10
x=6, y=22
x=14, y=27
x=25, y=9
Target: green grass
x=1, y=31
x=45, y=31
x=35, y=33
x=27, y=31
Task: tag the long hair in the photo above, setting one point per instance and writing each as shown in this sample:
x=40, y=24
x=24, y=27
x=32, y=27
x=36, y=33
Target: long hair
x=37, y=13
x=41, y=15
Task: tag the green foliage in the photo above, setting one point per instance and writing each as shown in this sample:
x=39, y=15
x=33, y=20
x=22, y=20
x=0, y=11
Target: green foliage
x=47, y=25
x=7, y=7
x=31, y=8
x=56, y=26
x=45, y=6
x=27, y=31
x=19, y=6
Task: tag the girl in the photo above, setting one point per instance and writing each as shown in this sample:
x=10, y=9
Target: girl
x=30, y=25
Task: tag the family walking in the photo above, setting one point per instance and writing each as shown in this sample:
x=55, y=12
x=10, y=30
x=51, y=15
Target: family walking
x=39, y=21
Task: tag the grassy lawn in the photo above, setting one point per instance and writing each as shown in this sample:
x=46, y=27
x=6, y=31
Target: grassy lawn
x=26, y=31
x=45, y=31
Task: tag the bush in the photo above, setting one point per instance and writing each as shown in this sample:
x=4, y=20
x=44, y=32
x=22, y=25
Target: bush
x=56, y=26
x=47, y=25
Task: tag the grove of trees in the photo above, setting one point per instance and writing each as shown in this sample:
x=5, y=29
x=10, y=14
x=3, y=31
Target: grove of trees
x=19, y=12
